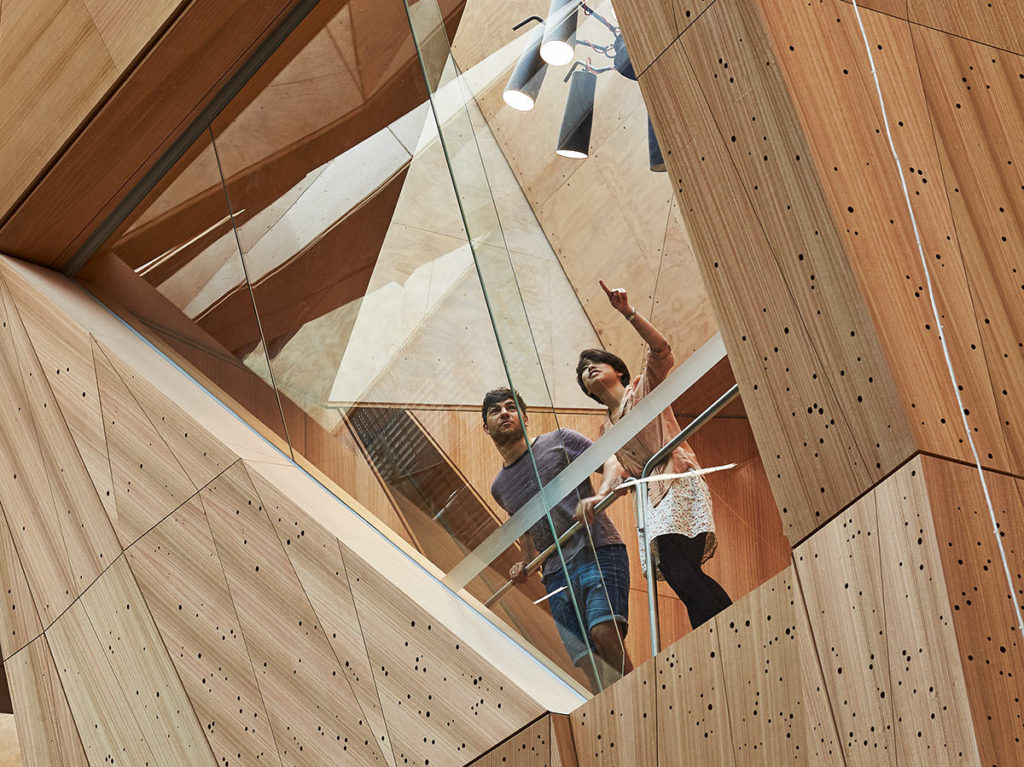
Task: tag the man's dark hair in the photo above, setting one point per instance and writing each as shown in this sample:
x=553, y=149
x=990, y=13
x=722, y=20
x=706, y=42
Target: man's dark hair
x=600, y=356
x=499, y=395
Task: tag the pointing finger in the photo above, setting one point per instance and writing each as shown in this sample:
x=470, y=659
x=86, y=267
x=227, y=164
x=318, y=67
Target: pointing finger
x=605, y=288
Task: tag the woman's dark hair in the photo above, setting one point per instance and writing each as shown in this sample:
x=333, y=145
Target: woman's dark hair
x=600, y=356
x=499, y=395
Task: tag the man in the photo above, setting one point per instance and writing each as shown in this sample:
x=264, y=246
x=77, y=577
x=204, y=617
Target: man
x=598, y=577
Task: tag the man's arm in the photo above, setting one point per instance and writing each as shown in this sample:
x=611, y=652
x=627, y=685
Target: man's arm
x=612, y=476
x=517, y=573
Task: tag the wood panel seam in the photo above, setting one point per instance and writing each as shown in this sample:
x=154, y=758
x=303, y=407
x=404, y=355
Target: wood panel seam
x=817, y=659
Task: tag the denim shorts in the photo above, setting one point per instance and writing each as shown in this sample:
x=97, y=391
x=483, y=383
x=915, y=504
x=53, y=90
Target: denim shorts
x=600, y=599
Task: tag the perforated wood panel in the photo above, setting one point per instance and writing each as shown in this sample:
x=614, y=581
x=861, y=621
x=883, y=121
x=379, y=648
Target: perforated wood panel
x=19, y=619
x=530, y=747
x=989, y=642
x=649, y=28
x=794, y=345
x=46, y=731
x=178, y=568
x=620, y=726
x=994, y=22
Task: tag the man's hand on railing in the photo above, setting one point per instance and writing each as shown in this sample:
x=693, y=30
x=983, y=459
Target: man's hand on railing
x=517, y=573
x=585, y=509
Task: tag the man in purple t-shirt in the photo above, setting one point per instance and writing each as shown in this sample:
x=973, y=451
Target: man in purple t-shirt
x=598, y=576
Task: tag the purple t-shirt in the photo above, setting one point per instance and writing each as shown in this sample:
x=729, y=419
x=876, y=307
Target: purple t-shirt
x=516, y=484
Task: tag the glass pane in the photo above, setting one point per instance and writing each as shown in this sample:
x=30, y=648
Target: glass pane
x=173, y=269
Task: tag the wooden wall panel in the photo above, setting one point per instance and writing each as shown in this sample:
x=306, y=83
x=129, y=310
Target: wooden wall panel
x=620, y=725
x=776, y=402
x=530, y=747
x=823, y=58
x=650, y=27
x=995, y=23
x=927, y=684
x=181, y=576
x=126, y=29
x=19, y=620
x=989, y=643
x=316, y=556
x=974, y=99
x=758, y=640
x=47, y=732
x=442, y=701
x=65, y=353
x=149, y=483
x=104, y=716
x=198, y=451
x=840, y=570
x=89, y=537
x=138, y=661
x=315, y=716
x=54, y=69
x=693, y=717
x=36, y=527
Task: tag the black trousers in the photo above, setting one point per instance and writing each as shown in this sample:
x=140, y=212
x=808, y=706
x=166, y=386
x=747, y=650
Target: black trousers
x=679, y=560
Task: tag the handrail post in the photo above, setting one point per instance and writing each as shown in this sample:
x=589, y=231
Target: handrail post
x=642, y=497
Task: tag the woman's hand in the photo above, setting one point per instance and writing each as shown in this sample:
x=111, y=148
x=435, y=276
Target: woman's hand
x=618, y=299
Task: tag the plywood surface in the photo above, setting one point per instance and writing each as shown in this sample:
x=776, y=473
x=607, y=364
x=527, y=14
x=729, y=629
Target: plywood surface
x=47, y=733
x=180, y=573
x=530, y=747
x=620, y=725
x=19, y=619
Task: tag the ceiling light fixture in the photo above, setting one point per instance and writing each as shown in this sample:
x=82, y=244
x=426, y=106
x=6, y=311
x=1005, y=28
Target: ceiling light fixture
x=523, y=86
x=559, y=45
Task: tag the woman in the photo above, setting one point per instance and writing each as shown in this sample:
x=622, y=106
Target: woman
x=680, y=527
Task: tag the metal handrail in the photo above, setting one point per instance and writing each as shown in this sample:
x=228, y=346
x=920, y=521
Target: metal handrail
x=609, y=499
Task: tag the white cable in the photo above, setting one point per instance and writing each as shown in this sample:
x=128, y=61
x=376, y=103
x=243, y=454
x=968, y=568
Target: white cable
x=938, y=324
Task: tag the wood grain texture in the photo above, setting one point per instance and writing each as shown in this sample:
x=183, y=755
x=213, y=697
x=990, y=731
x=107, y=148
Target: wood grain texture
x=47, y=733
x=314, y=714
x=619, y=726
x=650, y=27
x=197, y=448
x=87, y=530
x=181, y=576
x=127, y=28
x=149, y=483
x=840, y=575
x=140, y=665
x=776, y=402
x=822, y=56
x=995, y=23
x=760, y=661
x=530, y=747
x=32, y=517
x=988, y=640
x=693, y=717
x=441, y=700
x=973, y=95
x=103, y=714
x=316, y=556
x=19, y=619
x=54, y=69
x=65, y=354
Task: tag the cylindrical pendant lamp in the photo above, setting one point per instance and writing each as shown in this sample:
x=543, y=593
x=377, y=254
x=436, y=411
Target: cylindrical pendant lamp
x=559, y=45
x=524, y=84
x=578, y=117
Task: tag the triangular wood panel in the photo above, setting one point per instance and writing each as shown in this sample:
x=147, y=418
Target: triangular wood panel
x=691, y=688
x=443, y=703
x=149, y=483
x=47, y=733
x=19, y=620
x=139, y=662
x=758, y=641
x=65, y=352
x=88, y=535
x=819, y=737
x=103, y=714
x=840, y=575
x=177, y=568
x=315, y=716
x=316, y=556
x=199, y=452
x=620, y=726
x=25, y=489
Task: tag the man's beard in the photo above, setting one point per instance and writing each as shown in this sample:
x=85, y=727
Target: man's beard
x=503, y=438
